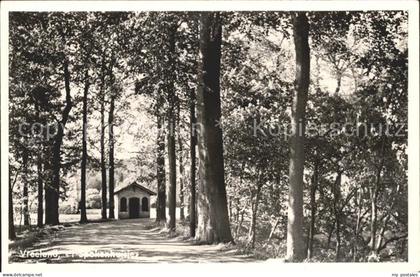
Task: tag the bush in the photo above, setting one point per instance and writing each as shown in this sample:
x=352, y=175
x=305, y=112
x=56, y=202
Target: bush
x=93, y=199
x=68, y=208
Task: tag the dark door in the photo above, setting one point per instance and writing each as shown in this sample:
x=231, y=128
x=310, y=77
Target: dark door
x=134, y=207
x=144, y=204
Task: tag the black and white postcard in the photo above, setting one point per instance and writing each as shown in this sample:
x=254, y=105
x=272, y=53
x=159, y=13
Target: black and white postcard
x=246, y=135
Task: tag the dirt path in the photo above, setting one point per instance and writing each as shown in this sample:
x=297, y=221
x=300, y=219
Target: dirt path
x=122, y=241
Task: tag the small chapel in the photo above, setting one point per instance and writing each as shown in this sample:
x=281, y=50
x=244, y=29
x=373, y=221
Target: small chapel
x=133, y=201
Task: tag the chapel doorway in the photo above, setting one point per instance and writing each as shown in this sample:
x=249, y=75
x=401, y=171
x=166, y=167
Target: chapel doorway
x=134, y=207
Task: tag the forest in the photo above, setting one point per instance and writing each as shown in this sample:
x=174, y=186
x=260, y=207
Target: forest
x=283, y=134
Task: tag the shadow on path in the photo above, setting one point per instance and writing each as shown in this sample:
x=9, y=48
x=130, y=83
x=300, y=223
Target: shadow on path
x=121, y=241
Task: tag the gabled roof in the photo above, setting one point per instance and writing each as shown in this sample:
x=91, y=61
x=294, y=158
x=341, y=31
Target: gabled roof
x=136, y=185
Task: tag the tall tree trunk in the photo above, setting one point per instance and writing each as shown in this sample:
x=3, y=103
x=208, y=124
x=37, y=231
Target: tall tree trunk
x=181, y=164
x=230, y=211
x=102, y=142
x=52, y=188
x=83, y=217
x=240, y=221
x=330, y=232
x=358, y=222
x=386, y=218
x=373, y=218
x=213, y=219
x=374, y=197
x=295, y=242
x=339, y=77
x=40, y=185
x=313, y=206
x=193, y=143
x=171, y=135
x=161, y=182
x=25, y=196
x=40, y=197
x=252, y=229
x=181, y=188
x=111, y=148
x=273, y=229
x=12, y=233
x=337, y=213
x=52, y=191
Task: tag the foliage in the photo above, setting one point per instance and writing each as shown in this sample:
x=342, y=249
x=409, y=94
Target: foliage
x=356, y=139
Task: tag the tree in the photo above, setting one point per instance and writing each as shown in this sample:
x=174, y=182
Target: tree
x=213, y=219
x=171, y=117
x=12, y=233
x=111, y=141
x=160, y=161
x=347, y=177
x=112, y=42
x=152, y=61
x=52, y=191
x=102, y=141
x=193, y=143
x=256, y=92
x=181, y=160
x=39, y=163
x=25, y=161
x=110, y=46
x=40, y=198
x=83, y=217
x=295, y=245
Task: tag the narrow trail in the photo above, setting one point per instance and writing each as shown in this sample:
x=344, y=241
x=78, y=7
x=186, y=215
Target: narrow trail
x=122, y=241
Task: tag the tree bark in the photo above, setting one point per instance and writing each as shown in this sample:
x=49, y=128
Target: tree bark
x=161, y=182
x=83, y=217
x=171, y=135
x=240, y=221
x=273, y=229
x=313, y=206
x=111, y=146
x=385, y=222
x=295, y=243
x=252, y=229
x=213, y=219
x=330, y=232
x=337, y=213
x=181, y=190
x=39, y=169
x=181, y=164
x=25, y=196
x=102, y=142
x=229, y=199
x=373, y=219
x=358, y=222
x=193, y=143
x=40, y=197
x=12, y=233
x=338, y=87
x=373, y=199
x=52, y=191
